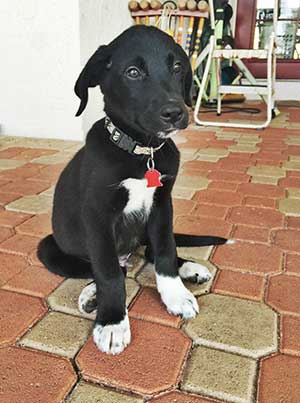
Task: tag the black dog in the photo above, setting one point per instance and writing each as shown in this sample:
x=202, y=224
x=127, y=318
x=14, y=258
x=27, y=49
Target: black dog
x=104, y=206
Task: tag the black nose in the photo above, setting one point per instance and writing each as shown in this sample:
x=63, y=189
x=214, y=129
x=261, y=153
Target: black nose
x=171, y=113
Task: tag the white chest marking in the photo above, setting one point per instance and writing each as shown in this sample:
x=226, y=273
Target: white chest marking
x=139, y=196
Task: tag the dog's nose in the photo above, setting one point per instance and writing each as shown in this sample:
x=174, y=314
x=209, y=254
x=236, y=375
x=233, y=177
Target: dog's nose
x=171, y=113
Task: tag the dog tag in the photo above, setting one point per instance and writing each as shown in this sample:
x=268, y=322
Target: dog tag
x=153, y=178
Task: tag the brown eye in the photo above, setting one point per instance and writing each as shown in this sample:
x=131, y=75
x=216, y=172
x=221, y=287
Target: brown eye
x=133, y=73
x=177, y=68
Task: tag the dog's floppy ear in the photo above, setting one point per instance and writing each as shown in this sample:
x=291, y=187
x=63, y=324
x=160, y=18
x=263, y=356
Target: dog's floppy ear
x=188, y=81
x=91, y=75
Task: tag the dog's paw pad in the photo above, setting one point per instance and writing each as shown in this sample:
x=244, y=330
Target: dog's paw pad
x=87, y=301
x=112, y=339
x=194, y=272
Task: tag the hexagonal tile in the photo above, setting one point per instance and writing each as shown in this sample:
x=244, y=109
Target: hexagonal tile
x=150, y=364
x=179, y=397
x=59, y=334
x=87, y=393
x=31, y=376
x=290, y=207
x=234, y=325
x=220, y=375
x=20, y=313
x=36, y=204
x=283, y=293
x=279, y=379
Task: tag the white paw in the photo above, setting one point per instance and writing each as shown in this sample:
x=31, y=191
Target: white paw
x=194, y=272
x=112, y=339
x=86, y=300
x=177, y=298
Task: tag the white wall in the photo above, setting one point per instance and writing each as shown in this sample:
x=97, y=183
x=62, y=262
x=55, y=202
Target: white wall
x=40, y=59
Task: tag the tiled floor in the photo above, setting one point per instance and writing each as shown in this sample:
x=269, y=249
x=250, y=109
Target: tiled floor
x=244, y=345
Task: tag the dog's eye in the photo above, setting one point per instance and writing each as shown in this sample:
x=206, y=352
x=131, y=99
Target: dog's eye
x=133, y=73
x=177, y=68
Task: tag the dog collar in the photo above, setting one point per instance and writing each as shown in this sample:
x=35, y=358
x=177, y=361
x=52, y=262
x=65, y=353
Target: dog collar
x=127, y=143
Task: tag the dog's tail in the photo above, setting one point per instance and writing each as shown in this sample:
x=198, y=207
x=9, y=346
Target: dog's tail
x=60, y=263
x=199, y=240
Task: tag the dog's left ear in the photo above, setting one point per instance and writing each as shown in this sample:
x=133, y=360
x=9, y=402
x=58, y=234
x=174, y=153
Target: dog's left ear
x=188, y=81
x=91, y=75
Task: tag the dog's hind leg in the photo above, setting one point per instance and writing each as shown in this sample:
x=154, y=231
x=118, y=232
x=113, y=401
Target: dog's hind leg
x=60, y=263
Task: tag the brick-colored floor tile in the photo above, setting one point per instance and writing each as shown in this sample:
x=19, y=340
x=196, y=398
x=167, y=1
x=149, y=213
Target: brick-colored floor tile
x=88, y=393
x=6, y=198
x=191, y=182
x=39, y=225
x=5, y=233
x=22, y=172
x=210, y=210
x=223, y=186
x=283, y=293
x=293, y=222
x=180, y=397
x=222, y=198
x=234, y=325
x=228, y=176
x=247, y=233
x=220, y=375
x=256, y=189
x=19, y=244
x=12, y=219
x=34, y=204
x=279, y=379
x=26, y=187
x=289, y=182
x=256, y=216
x=11, y=152
x=290, y=335
x=150, y=364
x=29, y=154
x=202, y=226
x=195, y=253
x=49, y=173
x=30, y=376
x=21, y=312
x=288, y=240
x=260, y=202
x=148, y=306
x=35, y=280
x=239, y=284
x=292, y=264
x=58, y=333
x=246, y=256
x=233, y=166
x=182, y=207
x=10, y=265
x=199, y=165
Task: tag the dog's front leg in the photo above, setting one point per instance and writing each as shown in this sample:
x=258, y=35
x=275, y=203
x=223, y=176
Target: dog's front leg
x=177, y=298
x=111, y=333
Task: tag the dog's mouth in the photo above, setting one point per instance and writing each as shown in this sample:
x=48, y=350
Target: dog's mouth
x=166, y=134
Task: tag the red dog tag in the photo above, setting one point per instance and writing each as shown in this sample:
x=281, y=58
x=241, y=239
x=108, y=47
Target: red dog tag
x=153, y=178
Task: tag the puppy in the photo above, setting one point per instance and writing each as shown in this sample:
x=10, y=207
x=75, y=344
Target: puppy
x=115, y=194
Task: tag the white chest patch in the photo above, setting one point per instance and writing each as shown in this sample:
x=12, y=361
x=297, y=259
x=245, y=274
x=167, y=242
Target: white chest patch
x=140, y=198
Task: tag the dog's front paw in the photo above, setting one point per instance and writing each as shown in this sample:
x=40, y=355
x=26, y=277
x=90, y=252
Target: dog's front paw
x=87, y=301
x=178, y=299
x=194, y=272
x=112, y=339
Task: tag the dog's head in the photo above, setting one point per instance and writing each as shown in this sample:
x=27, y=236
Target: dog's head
x=146, y=80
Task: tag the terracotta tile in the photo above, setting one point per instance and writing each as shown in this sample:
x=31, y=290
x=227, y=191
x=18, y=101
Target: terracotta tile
x=260, y=202
x=150, y=364
x=222, y=198
x=10, y=265
x=290, y=335
x=5, y=233
x=179, y=397
x=202, y=226
x=39, y=226
x=287, y=240
x=31, y=153
x=244, y=256
x=200, y=165
x=6, y=198
x=12, y=219
x=22, y=172
x=35, y=280
x=256, y=189
x=210, y=210
x=292, y=264
x=241, y=285
x=247, y=233
x=33, y=258
x=293, y=222
x=255, y=216
x=279, y=379
x=228, y=176
x=30, y=376
x=49, y=173
x=283, y=294
x=10, y=152
x=290, y=182
x=148, y=306
x=19, y=244
x=223, y=186
x=182, y=207
x=26, y=187
x=233, y=166
x=203, y=173
x=20, y=313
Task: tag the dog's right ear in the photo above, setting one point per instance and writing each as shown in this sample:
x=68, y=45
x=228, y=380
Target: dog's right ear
x=91, y=75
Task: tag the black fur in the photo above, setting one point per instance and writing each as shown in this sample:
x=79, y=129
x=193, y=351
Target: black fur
x=90, y=230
